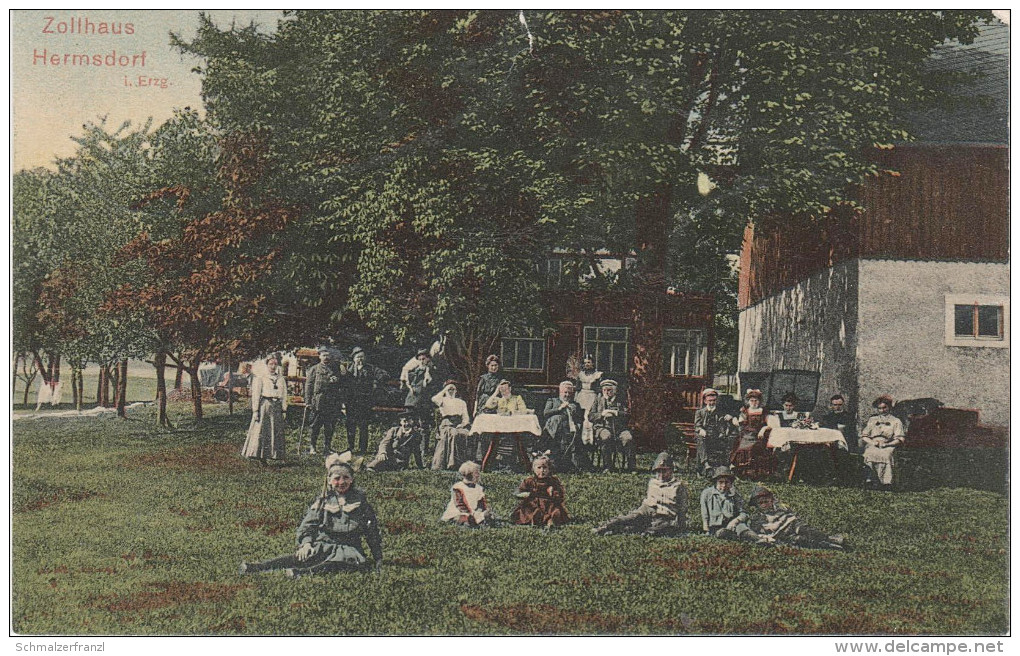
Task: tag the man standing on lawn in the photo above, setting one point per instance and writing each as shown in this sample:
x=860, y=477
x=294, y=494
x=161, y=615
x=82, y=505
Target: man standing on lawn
x=361, y=382
x=323, y=398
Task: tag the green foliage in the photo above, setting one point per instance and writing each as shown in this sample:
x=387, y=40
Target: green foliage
x=144, y=528
x=437, y=153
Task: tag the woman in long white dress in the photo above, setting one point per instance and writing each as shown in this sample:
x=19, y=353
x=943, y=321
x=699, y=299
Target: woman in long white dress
x=588, y=391
x=265, y=439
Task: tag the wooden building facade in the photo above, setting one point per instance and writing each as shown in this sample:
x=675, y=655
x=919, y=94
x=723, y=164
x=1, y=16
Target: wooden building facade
x=656, y=344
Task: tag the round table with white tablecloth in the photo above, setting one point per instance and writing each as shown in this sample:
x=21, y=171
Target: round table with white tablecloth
x=516, y=425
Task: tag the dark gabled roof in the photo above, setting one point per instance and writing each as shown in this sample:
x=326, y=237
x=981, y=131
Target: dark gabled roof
x=980, y=112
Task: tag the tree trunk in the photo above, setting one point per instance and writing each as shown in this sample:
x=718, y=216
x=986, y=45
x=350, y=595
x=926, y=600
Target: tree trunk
x=40, y=367
x=115, y=384
x=101, y=385
x=196, y=388
x=54, y=367
x=80, y=389
x=230, y=389
x=14, y=376
x=75, y=399
x=122, y=390
x=179, y=379
x=160, y=364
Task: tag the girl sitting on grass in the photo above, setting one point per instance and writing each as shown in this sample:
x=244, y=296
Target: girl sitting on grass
x=329, y=537
x=468, y=505
x=541, y=497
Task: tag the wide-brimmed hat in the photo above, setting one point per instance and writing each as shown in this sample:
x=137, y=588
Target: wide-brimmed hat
x=722, y=471
x=884, y=398
x=663, y=461
x=609, y=382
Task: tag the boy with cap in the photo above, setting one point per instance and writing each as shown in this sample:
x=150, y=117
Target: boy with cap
x=398, y=446
x=722, y=509
x=361, y=381
x=662, y=513
x=776, y=523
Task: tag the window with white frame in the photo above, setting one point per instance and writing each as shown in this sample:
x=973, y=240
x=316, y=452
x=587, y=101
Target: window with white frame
x=977, y=320
x=684, y=352
x=522, y=353
x=610, y=346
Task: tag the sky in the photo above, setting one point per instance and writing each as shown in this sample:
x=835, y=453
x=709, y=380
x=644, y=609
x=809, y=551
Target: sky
x=51, y=99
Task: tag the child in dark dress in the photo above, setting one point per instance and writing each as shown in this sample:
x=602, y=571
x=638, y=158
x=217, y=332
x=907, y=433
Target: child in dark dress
x=541, y=497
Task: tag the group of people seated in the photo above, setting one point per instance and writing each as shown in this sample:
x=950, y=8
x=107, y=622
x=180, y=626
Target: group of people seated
x=574, y=427
x=340, y=518
x=741, y=440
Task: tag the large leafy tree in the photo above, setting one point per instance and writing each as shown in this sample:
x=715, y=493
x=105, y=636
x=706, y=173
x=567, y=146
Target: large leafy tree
x=438, y=154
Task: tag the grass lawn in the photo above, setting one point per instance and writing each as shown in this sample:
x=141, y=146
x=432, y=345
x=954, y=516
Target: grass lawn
x=121, y=528
x=139, y=388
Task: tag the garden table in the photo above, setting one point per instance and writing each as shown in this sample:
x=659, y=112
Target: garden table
x=514, y=425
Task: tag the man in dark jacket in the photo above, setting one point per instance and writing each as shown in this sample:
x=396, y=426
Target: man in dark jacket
x=323, y=396
x=561, y=434
x=608, y=416
x=361, y=381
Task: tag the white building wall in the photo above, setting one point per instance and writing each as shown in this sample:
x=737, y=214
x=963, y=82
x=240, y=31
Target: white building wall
x=901, y=336
x=812, y=326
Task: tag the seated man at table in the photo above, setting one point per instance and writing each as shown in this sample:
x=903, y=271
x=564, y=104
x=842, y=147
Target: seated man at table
x=839, y=418
x=561, y=433
x=608, y=416
x=505, y=403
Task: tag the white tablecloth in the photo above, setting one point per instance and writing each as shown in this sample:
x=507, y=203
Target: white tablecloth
x=781, y=437
x=489, y=423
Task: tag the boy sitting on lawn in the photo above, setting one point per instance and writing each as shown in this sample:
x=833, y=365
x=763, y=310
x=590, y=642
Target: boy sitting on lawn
x=722, y=509
x=663, y=513
x=776, y=523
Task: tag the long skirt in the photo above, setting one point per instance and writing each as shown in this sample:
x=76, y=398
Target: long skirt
x=586, y=399
x=452, y=448
x=265, y=437
x=881, y=462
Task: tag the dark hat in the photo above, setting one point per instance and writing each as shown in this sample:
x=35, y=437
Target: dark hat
x=760, y=492
x=722, y=471
x=407, y=413
x=885, y=398
x=491, y=358
x=663, y=461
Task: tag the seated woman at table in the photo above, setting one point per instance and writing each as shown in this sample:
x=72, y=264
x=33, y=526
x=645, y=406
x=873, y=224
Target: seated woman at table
x=453, y=445
x=504, y=402
x=751, y=454
x=788, y=416
x=880, y=437
x=541, y=497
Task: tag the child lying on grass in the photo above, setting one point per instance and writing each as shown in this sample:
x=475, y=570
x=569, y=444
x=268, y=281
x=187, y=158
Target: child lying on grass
x=663, y=513
x=541, y=497
x=776, y=523
x=468, y=505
